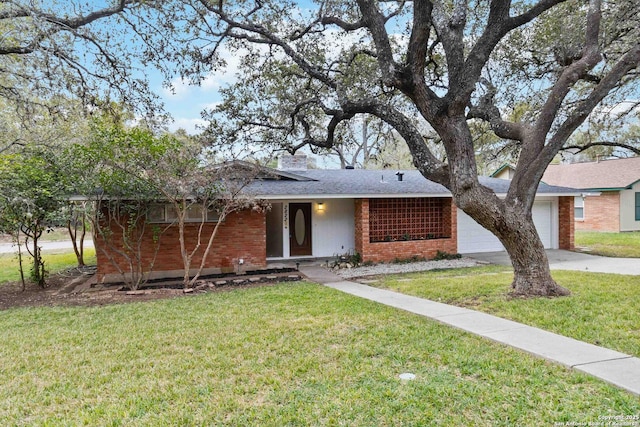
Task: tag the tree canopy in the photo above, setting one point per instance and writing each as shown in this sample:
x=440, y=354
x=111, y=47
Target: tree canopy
x=76, y=50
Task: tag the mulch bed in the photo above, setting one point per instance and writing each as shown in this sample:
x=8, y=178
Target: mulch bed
x=66, y=289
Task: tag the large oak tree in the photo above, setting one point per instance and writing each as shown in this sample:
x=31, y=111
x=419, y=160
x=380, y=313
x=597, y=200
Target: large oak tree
x=447, y=64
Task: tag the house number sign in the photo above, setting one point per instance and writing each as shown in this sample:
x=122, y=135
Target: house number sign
x=285, y=216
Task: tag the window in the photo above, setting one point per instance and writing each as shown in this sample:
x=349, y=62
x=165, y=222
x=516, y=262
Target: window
x=578, y=207
x=167, y=213
x=156, y=213
x=637, y=206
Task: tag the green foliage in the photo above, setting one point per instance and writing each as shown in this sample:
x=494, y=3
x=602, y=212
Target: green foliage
x=443, y=255
x=412, y=258
x=110, y=169
x=353, y=258
x=299, y=355
x=117, y=157
x=32, y=192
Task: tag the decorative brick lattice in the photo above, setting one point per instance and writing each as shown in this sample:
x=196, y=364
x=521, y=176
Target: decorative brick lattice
x=409, y=219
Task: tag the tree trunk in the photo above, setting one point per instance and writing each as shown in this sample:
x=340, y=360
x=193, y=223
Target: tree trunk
x=514, y=227
x=78, y=247
x=532, y=276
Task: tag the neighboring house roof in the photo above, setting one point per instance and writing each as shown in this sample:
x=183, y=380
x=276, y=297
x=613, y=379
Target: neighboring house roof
x=505, y=166
x=346, y=183
x=603, y=175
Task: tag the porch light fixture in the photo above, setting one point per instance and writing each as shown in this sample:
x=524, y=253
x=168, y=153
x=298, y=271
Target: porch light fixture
x=320, y=207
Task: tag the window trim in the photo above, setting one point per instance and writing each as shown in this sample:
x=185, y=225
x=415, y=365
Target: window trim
x=637, y=205
x=575, y=206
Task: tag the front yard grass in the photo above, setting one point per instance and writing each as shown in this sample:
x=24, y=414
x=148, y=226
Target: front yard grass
x=603, y=308
x=54, y=262
x=290, y=354
x=623, y=245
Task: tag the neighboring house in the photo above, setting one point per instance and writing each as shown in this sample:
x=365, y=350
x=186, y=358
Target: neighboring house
x=611, y=192
x=380, y=214
x=505, y=171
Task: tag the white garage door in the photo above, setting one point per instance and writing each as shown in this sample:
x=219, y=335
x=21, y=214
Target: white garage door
x=472, y=237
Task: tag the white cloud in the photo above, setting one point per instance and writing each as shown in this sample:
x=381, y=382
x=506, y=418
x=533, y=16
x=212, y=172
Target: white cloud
x=188, y=124
x=214, y=80
x=226, y=75
x=210, y=105
x=179, y=89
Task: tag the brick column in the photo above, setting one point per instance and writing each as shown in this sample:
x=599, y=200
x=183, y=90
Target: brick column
x=361, y=226
x=566, y=223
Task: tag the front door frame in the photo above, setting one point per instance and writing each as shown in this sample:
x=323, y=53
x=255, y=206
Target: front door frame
x=295, y=248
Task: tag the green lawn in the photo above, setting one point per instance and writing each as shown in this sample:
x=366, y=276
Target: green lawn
x=291, y=354
x=624, y=245
x=54, y=262
x=603, y=308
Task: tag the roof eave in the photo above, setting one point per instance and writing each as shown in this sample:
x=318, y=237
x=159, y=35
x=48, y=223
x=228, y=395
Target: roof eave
x=391, y=195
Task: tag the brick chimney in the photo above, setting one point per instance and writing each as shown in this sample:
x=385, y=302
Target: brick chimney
x=297, y=162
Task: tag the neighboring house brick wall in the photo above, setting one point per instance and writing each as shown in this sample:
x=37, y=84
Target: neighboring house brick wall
x=601, y=213
x=389, y=251
x=242, y=235
x=566, y=239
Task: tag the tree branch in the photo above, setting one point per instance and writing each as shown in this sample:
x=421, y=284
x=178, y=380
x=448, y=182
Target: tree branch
x=487, y=110
x=264, y=36
x=375, y=21
x=58, y=24
x=498, y=25
x=571, y=75
x=628, y=62
x=581, y=148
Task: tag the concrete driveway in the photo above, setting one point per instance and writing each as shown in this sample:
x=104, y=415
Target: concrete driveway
x=566, y=260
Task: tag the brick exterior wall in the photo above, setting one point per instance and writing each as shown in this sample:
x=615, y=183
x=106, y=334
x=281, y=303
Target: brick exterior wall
x=242, y=235
x=566, y=238
x=601, y=213
x=388, y=251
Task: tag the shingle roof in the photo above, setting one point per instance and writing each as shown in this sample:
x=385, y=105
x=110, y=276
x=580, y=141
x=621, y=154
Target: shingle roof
x=372, y=183
x=605, y=174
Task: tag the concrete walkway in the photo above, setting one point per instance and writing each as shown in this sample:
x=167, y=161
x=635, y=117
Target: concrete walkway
x=614, y=367
x=567, y=260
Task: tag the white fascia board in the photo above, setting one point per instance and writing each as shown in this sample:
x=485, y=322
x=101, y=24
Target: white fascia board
x=385, y=196
x=572, y=194
x=345, y=196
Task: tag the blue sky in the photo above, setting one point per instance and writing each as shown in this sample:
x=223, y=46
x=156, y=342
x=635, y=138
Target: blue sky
x=185, y=102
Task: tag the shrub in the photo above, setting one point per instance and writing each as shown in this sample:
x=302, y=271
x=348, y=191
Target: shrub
x=443, y=255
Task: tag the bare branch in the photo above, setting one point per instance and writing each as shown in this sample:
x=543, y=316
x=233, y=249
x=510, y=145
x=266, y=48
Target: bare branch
x=264, y=36
x=347, y=26
x=581, y=148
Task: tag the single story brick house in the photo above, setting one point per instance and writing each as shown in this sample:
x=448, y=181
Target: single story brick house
x=610, y=199
x=380, y=214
